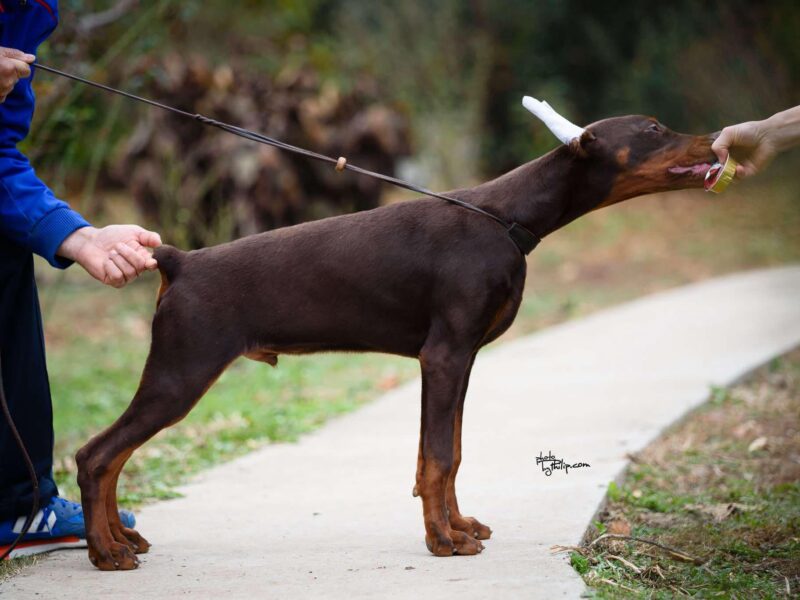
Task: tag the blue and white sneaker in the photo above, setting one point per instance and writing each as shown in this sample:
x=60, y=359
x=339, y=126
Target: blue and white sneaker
x=57, y=525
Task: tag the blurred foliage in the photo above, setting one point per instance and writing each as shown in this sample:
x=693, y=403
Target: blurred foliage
x=429, y=57
x=456, y=68
x=697, y=66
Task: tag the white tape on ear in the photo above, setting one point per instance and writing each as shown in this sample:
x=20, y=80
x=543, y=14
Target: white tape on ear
x=563, y=129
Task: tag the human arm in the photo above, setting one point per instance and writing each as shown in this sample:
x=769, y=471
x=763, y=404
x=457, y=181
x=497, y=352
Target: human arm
x=30, y=214
x=33, y=217
x=759, y=141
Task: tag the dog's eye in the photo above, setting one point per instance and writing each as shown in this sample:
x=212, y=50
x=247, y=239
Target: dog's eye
x=654, y=128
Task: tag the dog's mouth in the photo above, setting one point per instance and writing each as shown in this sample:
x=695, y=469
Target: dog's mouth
x=698, y=170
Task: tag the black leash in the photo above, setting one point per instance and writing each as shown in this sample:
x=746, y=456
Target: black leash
x=28, y=463
x=524, y=239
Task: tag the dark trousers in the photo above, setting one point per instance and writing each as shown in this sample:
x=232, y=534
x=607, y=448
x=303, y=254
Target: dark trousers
x=25, y=383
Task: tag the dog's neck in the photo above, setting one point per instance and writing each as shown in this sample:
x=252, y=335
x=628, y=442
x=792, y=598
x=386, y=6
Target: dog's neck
x=545, y=194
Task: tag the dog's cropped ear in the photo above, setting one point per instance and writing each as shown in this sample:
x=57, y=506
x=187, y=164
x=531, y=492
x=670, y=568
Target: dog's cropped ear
x=562, y=128
x=582, y=146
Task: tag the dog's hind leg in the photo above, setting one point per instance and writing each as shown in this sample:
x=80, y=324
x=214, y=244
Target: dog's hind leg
x=105, y=551
x=469, y=525
x=178, y=371
x=120, y=533
x=443, y=369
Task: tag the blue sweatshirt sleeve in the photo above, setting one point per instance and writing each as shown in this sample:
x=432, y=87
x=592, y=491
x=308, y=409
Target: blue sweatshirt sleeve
x=30, y=214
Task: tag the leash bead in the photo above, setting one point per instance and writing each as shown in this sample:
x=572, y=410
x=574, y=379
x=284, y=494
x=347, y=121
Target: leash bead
x=340, y=164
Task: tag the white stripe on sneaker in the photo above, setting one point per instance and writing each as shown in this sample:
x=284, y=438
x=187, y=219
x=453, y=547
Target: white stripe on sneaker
x=20, y=523
x=51, y=520
x=39, y=525
x=37, y=522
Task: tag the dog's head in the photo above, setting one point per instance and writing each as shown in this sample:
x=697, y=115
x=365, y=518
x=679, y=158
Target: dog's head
x=640, y=154
x=646, y=156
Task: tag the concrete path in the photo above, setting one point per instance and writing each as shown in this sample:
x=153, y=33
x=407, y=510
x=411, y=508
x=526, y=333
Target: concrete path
x=333, y=516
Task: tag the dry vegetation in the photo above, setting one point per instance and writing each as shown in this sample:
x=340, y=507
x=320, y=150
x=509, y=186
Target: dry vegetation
x=722, y=489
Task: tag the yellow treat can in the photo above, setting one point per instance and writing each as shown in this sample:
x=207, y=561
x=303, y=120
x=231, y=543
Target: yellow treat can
x=719, y=176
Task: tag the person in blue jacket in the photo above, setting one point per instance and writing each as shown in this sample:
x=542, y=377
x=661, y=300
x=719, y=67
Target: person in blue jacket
x=34, y=220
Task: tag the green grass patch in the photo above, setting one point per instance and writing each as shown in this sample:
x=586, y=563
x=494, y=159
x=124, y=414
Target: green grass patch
x=722, y=487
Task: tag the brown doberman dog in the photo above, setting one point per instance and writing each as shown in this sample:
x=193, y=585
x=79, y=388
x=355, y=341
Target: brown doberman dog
x=423, y=279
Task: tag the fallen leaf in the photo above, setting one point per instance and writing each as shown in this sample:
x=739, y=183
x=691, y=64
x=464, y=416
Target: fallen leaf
x=720, y=512
x=757, y=444
x=619, y=526
x=657, y=519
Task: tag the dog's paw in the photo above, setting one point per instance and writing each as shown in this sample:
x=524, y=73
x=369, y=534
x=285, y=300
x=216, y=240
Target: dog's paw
x=138, y=544
x=457, y=543
x=130, y=538
x=479, y=530
x=116, y=557
x=471, y=526
x=465, y=544
x=440, y=545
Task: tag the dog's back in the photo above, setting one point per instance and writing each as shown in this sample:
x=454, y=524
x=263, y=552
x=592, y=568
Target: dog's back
x=367, y=281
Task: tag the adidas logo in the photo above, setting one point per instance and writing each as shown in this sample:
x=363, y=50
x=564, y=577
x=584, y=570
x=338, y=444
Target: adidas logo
x=39, y=524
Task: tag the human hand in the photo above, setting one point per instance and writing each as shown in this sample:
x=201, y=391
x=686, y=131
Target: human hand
x=757, y=142
x=753, y=142
x=14, y=65
x=115, y=255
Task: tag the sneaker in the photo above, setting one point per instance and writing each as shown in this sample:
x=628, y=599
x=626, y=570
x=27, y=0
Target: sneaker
x=57, y=525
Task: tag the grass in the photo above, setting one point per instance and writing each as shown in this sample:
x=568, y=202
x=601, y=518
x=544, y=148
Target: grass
x=722, y=486
x=97, y=338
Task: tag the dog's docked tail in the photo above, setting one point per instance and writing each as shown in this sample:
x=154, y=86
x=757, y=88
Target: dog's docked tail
x=169, y=260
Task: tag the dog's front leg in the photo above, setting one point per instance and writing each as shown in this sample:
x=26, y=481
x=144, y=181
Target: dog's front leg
x=120, y=533
x=443, y=374
x=469, y=525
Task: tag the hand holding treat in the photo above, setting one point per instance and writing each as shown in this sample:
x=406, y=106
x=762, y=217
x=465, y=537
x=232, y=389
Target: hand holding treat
x=755, y=144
